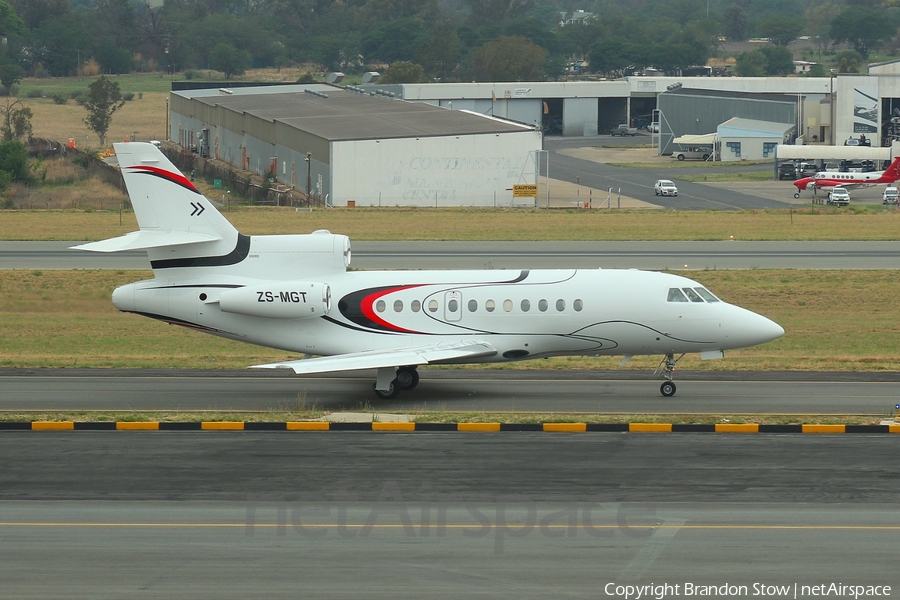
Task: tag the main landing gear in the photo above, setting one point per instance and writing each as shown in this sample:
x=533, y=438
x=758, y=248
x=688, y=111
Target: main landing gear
x=390, y=382
x=666, y=369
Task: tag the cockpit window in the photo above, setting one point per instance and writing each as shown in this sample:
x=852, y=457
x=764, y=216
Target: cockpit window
x=706, y=294
x=675, y=295
x=693, y=295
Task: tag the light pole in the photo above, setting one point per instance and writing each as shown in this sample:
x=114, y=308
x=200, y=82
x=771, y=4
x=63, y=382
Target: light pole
x=831, y=108
x=308, y=174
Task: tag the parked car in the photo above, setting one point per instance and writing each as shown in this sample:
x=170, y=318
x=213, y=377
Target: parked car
x=653, y=127
x=698, y=153
x=806, y=170
x=787, y=171
x=891, y=195
x=623, y=130
x=664, y=187
x=839, y=197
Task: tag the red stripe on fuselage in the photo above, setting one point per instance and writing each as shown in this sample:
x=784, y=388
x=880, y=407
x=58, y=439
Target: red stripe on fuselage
x=368, y=309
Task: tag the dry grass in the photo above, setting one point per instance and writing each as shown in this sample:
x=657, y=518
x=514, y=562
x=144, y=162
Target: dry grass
x=144, y=117
x=458, y=224
x=835, y=320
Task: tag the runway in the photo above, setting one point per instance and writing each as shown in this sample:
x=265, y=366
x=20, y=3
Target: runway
x=541, y=391
x=530, y=255
x=336, y=515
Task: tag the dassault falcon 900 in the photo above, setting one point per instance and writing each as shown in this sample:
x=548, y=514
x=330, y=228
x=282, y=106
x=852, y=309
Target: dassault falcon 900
x=294, y=292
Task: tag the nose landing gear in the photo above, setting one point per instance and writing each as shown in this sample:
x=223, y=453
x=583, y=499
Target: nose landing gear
x=666, y=369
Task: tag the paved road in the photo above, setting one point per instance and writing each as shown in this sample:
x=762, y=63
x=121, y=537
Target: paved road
x=518, y=255
x=458, y=390
x=638, y=183
x=520, y=515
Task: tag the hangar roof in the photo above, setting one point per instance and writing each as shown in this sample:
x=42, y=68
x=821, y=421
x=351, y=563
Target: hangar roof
x=346, y=115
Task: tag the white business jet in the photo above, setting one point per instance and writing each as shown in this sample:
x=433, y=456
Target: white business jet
x=294, y=292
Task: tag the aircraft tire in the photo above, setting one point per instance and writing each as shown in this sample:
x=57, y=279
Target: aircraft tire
x=797, y=195
x=389, y=394
x=667, y=389
x=407, y=378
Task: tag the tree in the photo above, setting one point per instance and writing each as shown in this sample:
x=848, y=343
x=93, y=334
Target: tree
x=510, y=58
x=104, y=99
x=734, y=23
x=403, y=72
x=439, y=56
x=228, y=59
x=16, y=119
x=781, y=29
x=779, y=60
x=14, y=161
x=751, y=64
x=863, y=28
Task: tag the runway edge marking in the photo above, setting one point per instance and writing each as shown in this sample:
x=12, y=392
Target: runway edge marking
x=435, y=427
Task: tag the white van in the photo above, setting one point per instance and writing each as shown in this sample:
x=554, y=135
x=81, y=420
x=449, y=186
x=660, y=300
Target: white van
x=891, y=195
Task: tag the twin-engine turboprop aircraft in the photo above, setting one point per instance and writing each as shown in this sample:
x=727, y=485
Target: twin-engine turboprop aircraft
x=293, y=292
x=831, y=179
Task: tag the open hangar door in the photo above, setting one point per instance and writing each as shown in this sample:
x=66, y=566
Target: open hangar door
x=552, y=119
x=642, y=111
x=611, y=112
x=890, y=121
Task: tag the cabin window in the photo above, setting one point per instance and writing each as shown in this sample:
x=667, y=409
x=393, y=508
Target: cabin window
x=526, y=305
x=473, y=305
x=432, y=305
x=542, y=305
x=379, y=306
x=415, y=305
x=507, y=305
x=489, y=305
x=675, y=295
x=453, y=305
x=706, y=294
x=560, y=305
x=578, y=305
x=694, y=296
x=398, y=305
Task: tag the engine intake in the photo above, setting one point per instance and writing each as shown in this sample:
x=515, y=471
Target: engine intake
x=278, y=300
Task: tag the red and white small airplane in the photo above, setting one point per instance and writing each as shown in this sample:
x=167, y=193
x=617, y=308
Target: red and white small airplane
x=294, y=292
x=831, y=179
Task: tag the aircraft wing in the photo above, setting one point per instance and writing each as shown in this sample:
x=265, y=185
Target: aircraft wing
x=442, y=352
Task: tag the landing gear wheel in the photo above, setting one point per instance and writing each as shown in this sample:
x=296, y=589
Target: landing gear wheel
x=797, y=195
x=667, y=389
x=407, y=378
x=392, y=392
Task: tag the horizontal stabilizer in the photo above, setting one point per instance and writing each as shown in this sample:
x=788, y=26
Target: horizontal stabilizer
x=390, y=358
x=143, y=240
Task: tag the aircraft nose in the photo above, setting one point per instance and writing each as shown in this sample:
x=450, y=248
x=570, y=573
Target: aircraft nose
x=749, y=329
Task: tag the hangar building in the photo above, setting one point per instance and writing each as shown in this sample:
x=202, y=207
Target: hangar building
x=353, y=148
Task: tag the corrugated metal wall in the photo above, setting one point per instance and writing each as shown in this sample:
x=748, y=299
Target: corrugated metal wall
x=693, y=114
x=468, y=170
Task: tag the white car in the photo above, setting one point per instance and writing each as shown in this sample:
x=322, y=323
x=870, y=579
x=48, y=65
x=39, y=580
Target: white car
x=664, y=187
x=653, y=127
x=839, y=197
x=891, y=195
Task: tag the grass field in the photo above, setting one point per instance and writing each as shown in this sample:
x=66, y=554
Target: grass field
x=482, y=224
x=834, y=320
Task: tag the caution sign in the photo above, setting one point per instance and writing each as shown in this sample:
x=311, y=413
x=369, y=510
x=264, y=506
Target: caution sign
x=525, y=190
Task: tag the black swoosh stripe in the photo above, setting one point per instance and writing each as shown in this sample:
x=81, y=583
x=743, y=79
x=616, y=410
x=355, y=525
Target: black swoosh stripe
x=240, y=252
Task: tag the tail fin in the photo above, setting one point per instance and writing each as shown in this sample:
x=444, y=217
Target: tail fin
x=177, y=222
x=892, y=173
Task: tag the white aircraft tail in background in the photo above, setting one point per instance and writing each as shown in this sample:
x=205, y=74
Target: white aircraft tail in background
x=294, y=292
